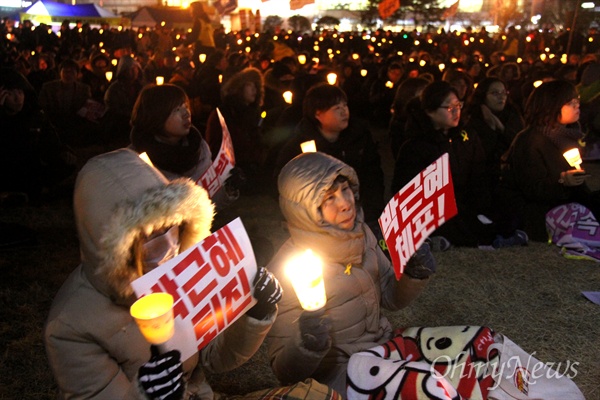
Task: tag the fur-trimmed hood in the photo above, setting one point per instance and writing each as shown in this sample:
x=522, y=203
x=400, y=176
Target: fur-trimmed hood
x=234, y=87
x=117, y=198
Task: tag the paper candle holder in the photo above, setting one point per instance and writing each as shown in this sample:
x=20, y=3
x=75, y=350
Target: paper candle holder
x=309, y=146
x=153, y=314
x=573, y=157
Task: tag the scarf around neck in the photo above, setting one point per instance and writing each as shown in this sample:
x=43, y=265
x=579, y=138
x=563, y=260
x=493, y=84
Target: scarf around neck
x=178, y=158
x=564, y=137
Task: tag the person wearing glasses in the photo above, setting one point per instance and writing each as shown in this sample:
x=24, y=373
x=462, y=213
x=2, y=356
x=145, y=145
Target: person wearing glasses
x=536, y=177
x=491, y=115
x=434, y=128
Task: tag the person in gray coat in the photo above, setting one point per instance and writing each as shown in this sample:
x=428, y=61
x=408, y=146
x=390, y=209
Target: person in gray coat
x=317, y=195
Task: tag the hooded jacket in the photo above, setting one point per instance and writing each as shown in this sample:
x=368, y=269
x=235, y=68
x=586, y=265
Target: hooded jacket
x=359, y=279
x=243, y=120
x=355, y=147
x=93, y=344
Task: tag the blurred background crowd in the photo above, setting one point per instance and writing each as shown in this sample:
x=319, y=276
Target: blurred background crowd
x=83, y=81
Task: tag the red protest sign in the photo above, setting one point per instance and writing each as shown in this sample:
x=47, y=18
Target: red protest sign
x=211, y=284
x=215, y=176
x=418, y=209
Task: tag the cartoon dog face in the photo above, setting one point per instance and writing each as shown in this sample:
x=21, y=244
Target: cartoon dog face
x=373, y=378
x=449, y=344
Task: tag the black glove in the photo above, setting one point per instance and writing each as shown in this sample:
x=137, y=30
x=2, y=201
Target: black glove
x=237, y=180
x=422, y=264
x=314, y=329
x=267, y=291
x=162, y=376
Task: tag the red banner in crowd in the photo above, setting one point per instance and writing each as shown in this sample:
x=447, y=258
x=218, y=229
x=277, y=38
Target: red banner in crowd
x=387, y=8
x=298, y=4
x=211, y=284
x=418, y=209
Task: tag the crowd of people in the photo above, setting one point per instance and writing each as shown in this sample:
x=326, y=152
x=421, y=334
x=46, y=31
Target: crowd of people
x=85, y=102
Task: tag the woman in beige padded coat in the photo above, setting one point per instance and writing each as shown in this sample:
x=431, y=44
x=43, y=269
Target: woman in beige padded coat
x=317, y=195
x=94, y=347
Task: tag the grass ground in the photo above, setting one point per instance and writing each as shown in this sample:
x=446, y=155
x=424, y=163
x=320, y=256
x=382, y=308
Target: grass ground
x=530, y=294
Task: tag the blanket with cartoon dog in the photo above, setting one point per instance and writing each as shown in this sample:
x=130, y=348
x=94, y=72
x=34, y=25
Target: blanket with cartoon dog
x=454, y=363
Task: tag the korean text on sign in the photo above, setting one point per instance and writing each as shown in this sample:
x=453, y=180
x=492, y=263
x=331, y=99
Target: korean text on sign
x=211, y=284
x=215, y=176
x=417, y=210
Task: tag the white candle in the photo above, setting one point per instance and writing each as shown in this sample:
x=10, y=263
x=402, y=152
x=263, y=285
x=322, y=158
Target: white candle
x=309, y=146
x=306, y=274
x=144, y=156
x=331, y=78
x=288, y=96
x=573, y=157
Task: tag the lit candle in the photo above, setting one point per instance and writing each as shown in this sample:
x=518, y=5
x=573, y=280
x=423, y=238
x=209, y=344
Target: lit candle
x=160, y=80
x=154, y=316
x=108, y=75
x=144, y=156
x=573, y=158
x=302, y=59
x=288, y=96
x=332, y=78
x=309, y=147
x=202, y=58
x=220, y=78
x=363, y=72
x=306, y=274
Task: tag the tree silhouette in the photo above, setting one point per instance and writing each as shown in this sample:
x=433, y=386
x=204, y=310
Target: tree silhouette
x=299, y=24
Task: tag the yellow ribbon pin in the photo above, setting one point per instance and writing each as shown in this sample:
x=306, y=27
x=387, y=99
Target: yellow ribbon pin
x=464, y=136
x=348, y=270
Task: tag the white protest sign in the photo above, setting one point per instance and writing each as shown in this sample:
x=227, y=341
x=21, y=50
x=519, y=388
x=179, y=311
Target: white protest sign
x=215, y=176
x=211, y=284
x=418, y=209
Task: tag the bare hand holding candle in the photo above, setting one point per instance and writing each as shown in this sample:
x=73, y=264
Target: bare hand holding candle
x=573, y=177
x=153, y=314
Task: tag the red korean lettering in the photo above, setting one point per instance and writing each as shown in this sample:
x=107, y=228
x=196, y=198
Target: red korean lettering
x=233, y=244
x=221, y=164
x=197, y=297
x=231, y=295
x=204, y=326
x=193, y=257
x=223, y=249
x=170, y=286
x=207, y=177
x=200, y=273
x=219, y=312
